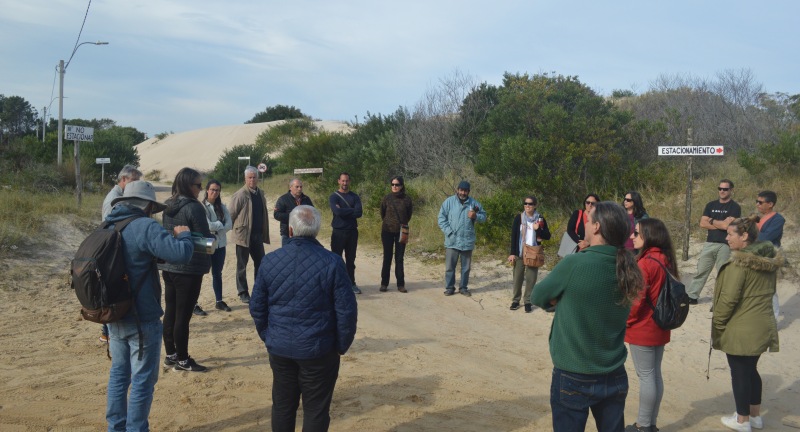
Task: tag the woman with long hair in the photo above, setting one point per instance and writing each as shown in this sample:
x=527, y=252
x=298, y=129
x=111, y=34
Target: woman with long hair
x=593, y=291
x=182, y=282
x=577, y=220
x=645, y=338
x=219, y=222
x=634, y=206
x=396, y=210
x=743, y=325
x=528, y=228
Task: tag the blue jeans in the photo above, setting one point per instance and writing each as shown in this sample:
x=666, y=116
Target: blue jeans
x=451, y=257
x=123, y=412
x=573, y=394
x=217, y=263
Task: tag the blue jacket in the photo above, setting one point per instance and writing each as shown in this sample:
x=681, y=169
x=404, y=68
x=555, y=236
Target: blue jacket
x=772, y=230
x=346, y=209
x=458, y=229
x=303, y=303
x=144, y=239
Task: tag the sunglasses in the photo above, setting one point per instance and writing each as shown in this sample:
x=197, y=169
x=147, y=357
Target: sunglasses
x=213, y=190
x=628, y=199
x=396, y=184
x=528, y=203
x=591, y=203
x=724, y=189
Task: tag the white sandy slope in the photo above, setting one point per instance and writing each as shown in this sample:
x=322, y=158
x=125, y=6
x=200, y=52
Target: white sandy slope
x=200, y=149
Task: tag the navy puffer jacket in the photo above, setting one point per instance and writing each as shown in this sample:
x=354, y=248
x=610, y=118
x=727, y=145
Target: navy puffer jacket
x=303, y=303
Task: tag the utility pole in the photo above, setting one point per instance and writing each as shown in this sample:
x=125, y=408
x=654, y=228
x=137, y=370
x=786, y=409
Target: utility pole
x=688, y=219
x=60, y=109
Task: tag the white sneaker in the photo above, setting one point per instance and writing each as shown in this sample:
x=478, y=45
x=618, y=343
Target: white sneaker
x=732, y=422
x=756, y=422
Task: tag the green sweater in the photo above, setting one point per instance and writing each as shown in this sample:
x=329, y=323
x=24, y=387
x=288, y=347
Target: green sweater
x=588, y=331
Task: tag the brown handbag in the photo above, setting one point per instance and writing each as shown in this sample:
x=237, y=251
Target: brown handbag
x=403, y=227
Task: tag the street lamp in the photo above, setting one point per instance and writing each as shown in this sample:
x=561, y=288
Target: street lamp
x=62, y=68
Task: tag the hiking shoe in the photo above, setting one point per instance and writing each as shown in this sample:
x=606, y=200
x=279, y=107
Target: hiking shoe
x=188, y=365
x=636, y=428
x=550, y=309
x=732, y=422
x=383, y=288
x=356, y=289
x=756, y=422
x=221, y=305
x=514, y=305
x=465, y=292
x=104, y=338
x=528, y=308
x=170, y=360
x=692, y=301
x=449, y=291
x=244, y=297
x=199, y=311
x=402, y=289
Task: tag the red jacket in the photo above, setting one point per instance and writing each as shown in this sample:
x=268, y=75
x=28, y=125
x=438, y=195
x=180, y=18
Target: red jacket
x=641, y=329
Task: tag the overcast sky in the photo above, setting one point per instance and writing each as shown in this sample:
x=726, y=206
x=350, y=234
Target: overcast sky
x=178, y=65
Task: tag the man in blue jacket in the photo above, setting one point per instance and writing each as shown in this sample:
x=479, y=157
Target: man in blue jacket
x=143, y=240
x=457, y=219
x=305, y=311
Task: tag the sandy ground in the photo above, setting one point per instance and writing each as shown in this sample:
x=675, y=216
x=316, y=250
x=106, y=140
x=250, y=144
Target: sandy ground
x=420, y=362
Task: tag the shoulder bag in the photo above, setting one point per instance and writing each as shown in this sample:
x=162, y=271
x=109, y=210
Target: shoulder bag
x=532, y=256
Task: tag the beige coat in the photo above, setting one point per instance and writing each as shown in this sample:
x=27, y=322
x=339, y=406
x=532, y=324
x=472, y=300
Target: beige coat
x=241, y=215
x=744, y=322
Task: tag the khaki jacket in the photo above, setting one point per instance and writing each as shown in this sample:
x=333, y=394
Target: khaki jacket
x=241, y=215
x=744, y=322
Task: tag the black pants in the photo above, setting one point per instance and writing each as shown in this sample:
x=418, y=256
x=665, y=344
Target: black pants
x=314, y=380
x=346, y=241
x=180, y=295
x=391, y=245
x=256, y=251
x=746, y=382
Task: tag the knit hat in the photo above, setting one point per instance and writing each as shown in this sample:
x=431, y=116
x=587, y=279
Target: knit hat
x=463, y=185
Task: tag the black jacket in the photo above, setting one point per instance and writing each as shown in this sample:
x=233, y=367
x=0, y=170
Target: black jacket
x=543, y=232
x=189, y=212
x=284, y=206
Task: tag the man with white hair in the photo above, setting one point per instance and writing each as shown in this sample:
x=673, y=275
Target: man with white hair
x=136, y=347
x=248, y=210
x=305, y=312
x=127, y=174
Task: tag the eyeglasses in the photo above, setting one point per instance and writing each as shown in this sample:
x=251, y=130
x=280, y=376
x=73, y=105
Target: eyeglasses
x=528, y=203
x=214, y=190
x=636, y=233
x=724, y=189
x=198, y=185
x=628, y=199
x=591, y=203
x=759, y=202
x=396, y=185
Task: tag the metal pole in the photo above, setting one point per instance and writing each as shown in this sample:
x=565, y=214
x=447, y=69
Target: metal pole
x=60, y=109
x=78, y=183
x=102, y=174
x=44, y=123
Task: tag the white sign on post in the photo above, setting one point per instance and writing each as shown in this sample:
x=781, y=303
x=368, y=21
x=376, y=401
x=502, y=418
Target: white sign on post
x=691, y=151
x=308, y=171
x=79, y=133
x=102, y=160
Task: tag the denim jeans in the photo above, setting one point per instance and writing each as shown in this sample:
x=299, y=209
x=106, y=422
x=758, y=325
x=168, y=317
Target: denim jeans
x=451, y=257
x=346, y=242
x=217, y=263
x=572, y=395
x=313, y=380
x=647, y=362
x=123, y=412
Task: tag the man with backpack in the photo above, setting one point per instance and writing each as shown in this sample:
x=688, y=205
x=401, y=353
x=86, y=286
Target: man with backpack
x=135, y=339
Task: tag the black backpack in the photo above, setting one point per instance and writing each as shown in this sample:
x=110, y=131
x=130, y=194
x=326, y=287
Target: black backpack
x=672, y=306
x=99, y=275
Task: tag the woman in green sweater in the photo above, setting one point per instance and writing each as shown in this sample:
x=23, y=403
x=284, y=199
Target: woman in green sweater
x=744, y=324
x=593, y=291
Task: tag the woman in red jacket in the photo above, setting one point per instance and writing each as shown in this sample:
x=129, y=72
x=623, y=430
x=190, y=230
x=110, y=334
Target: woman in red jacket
x=645, y=337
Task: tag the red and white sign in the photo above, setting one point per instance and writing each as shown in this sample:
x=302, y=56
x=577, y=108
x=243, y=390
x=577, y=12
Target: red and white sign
x=262, y=168
x=691, y=151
